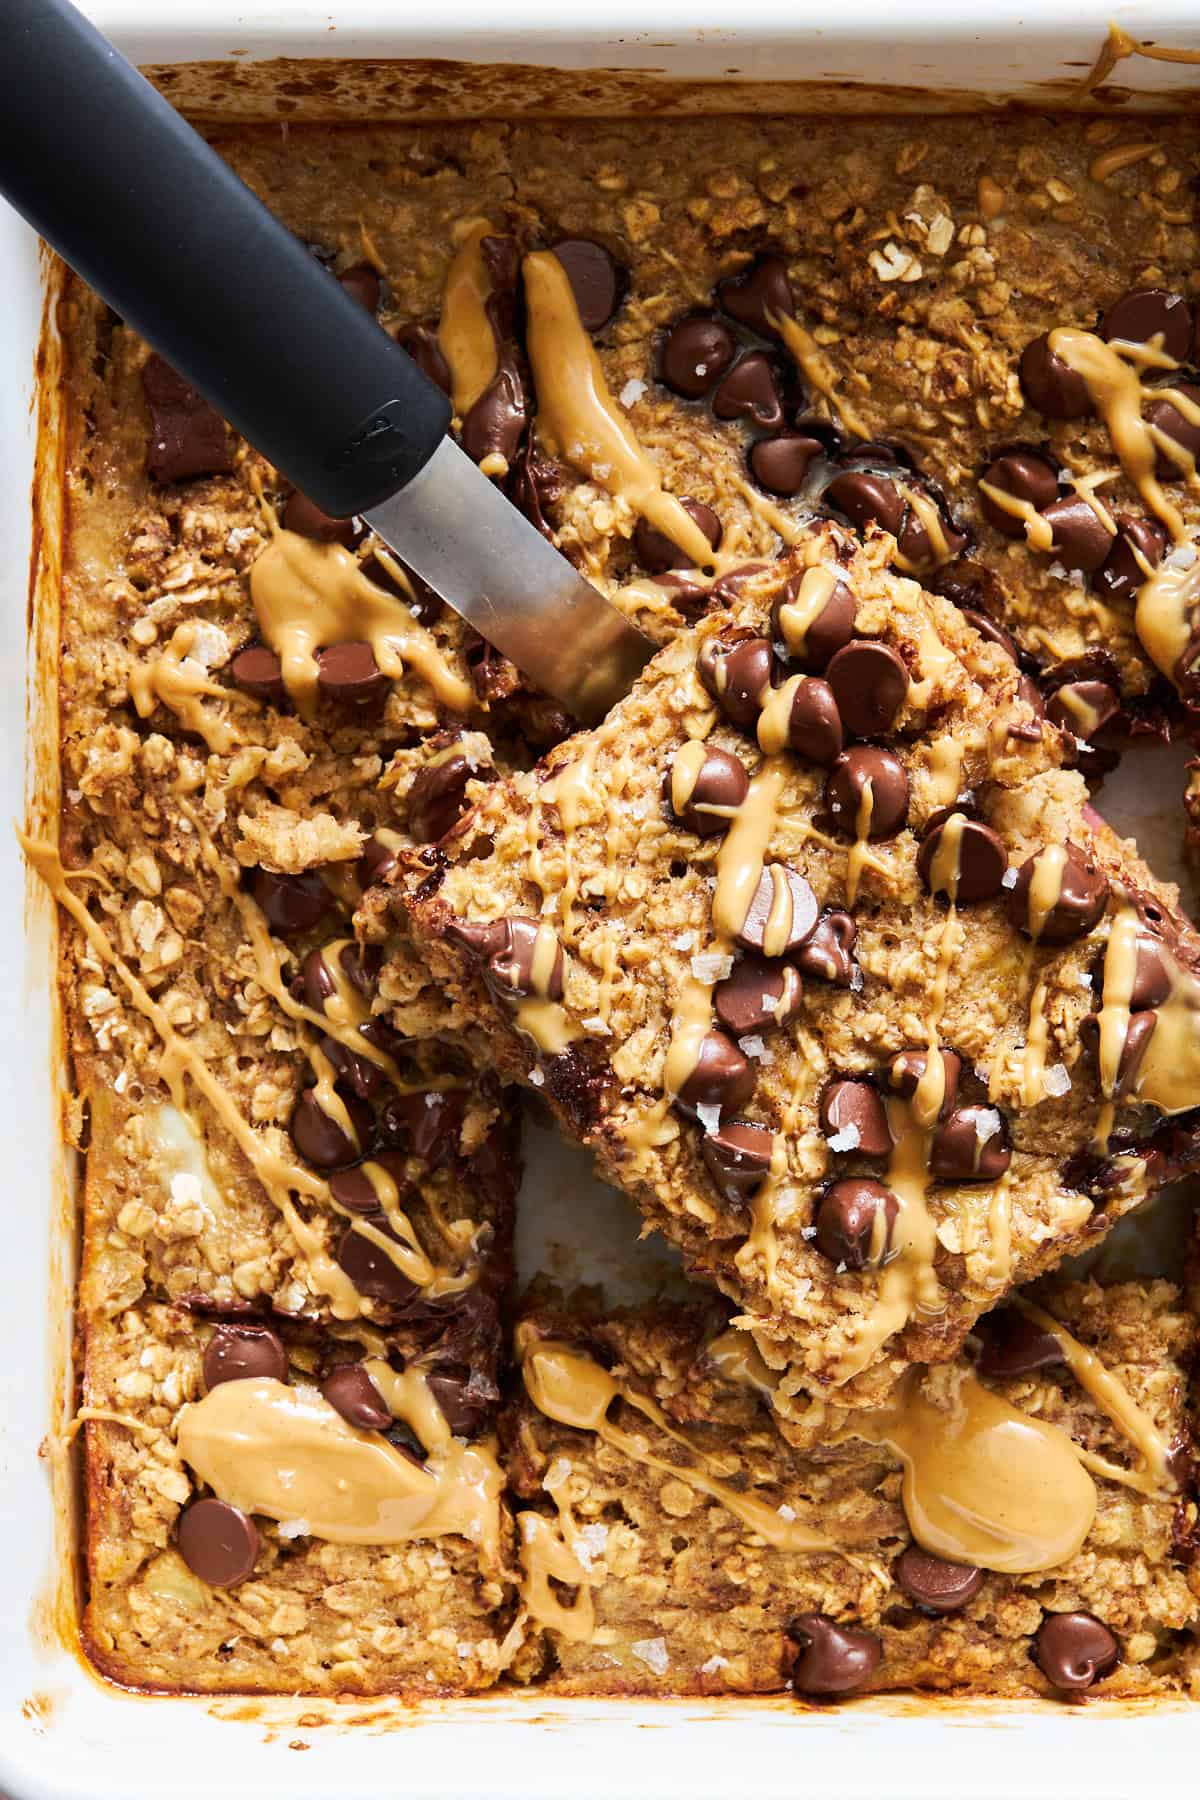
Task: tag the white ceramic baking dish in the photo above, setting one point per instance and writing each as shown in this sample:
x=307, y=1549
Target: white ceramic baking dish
x=62, y=1733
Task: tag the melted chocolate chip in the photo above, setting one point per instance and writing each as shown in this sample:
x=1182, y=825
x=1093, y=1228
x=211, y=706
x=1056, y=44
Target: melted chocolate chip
x=218, y=1542
x=350, y=1391
x=320, y=1140
x=738, y=1157
x=762, y=289
x=1145, y=314
x=1051, y=385
x=870, y=684
x=187, y=438
x=829, y=632
x=376, y=862
x=920, y=548
x=243, y=1353
x=972, y=1145
x=757, y=995
x=1152, y=976
x=1083, y=708
x=1081, y=538
x=936, y=1586
x=722, y=1077
x=977, y=867
x=1024, y=475
x=988, y=628
x=655, y=550
x=1079, y=905
x=495, y=424
x=1014, y=1345
x=291, y=903
x=428, y=1123
x=846, y=1220
x=750, y=391
x=597, y=282
x=371, y=1269
x=362, y=284
x=721, y=782
x=354, y=1189
x=1167, y=418
x=421, y=343
x=464, y=1399
x=781, y=464
x=868, y=499
x=305, y=517
x=846, y=798
x=833, y=1659
x=257, y=670
x=1074, y=1650
x=781, y=913
x=851, y=1103
x=510, y=949
x=1121, y=574
x=908, y=1067
x=439, y=793
x=814, y=727
x=536, y=485
x=1138, y=1032
x=696, y=353
x=349, y=675
x=829, y=952
x=737, y=672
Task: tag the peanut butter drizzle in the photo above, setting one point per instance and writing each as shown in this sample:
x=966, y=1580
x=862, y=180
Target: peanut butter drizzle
x=858, y=856
x=1153, y=1477
x=1168, y=1075
x=735, y=1356
x=1039, y=533
x=741, y=856
x=546, y=1021
x=577, y=416
x=983, y=1482
x=929, y=516
x=308, y=595
x=465, y=335
x=546, y=1557
x=287, y=1453
x=1121, y=156
x=786, y=527
x=1116, y=387
x=327, y=1096
x=812, y=363
x=570, y=1388
x=945, y=771
x=174, y=679
x=408, y=1396
x=797, y=617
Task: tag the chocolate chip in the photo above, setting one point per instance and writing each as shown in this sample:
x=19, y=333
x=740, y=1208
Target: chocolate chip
x=1014, y=1344
x=994, y=634
x=321, y=1140
x=291, y=903
x=597, y=282
x=977, y=867
x=814, y=726
x=371, y=1269
x=846, y=1217
x=1024, y=475
x=855, y=1104
x=757, y=994
x=829, y=952
x=1031, y=730
x=1152, y=976
x=376, y=862
x=218, y=1542
x=350, y=1391
x=187, y=438
x=833, y=1659
x=884, y=810
x=1144, y=314
x=972, y=1145
x=1079, y=904
x=354, y=1189
x=908, y=1067
x=305, y=517
x=429, y=1123
x=421, y=343
x=438, y=794
x=509, y=948
x=1051, y=385
x=495, y=424
x=243, y=1353
x=737, y=673
x=1074, y=1650
x=362, y=284
x=1081, y=539
x=655, y=550
x=696, y=352
x=738, y=1157
x=1167, y=418
x=780, y=464
x=781, y=913
x=870, y=684
x=750, y=391
x=1121, y=574
x=934, y=1585
x=722, y=1077
x=464, y=1407
x=824, y=636
x=257, y=670
x=1083, y=708
x=868, y=499
x=536, y=485
x=348, y=673
x=719, y=782
x=918, y=545
x=763, y=288
x=1138, y=1032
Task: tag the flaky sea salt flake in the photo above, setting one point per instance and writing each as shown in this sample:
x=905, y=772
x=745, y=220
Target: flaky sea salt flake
x=653, y=1652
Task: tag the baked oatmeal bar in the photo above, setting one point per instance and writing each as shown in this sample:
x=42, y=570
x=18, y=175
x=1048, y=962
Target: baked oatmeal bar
x=817, y=944
x=673, y=1542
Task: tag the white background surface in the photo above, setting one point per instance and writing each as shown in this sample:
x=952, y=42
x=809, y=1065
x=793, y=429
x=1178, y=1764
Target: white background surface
x=94, y=1744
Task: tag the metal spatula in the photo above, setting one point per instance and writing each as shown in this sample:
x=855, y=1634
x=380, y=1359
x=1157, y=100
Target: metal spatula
x=110, y=175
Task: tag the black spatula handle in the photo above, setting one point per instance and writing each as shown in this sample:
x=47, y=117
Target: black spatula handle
x=110, y=175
